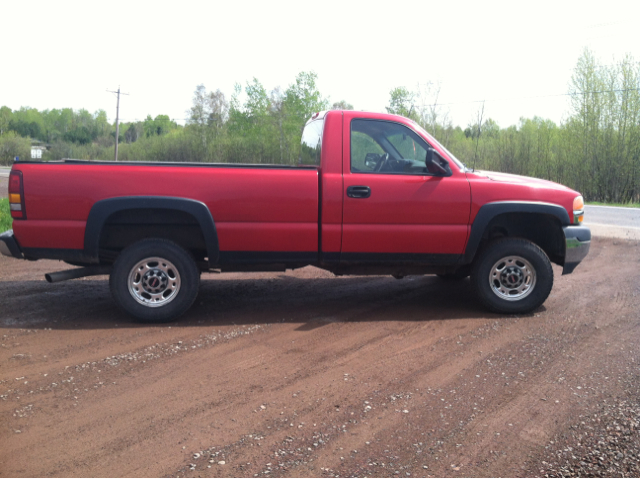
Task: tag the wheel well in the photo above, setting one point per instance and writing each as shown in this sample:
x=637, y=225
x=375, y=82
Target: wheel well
x=541, y=229
x=128, y=226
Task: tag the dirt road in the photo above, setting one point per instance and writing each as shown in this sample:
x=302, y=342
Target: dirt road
x=306, y=374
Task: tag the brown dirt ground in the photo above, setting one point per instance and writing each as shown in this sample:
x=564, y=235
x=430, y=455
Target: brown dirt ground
x=306, y=374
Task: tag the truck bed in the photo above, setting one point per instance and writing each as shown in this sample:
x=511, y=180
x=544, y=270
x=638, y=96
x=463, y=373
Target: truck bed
x=256, y=208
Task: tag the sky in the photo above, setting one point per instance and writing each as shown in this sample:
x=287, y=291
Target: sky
x=516, y=58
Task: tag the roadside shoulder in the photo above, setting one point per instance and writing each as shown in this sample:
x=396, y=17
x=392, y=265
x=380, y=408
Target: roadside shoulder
x=609, y=231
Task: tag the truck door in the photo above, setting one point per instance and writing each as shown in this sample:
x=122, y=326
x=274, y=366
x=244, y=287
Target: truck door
x=394, y=208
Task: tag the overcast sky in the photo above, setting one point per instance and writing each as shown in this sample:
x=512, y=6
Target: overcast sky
x=516, y=56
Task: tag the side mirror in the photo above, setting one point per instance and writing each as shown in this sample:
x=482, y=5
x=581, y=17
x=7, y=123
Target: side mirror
x=437, y=165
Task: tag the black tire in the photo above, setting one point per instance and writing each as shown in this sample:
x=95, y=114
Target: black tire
x=512, y=276
x=164, y=284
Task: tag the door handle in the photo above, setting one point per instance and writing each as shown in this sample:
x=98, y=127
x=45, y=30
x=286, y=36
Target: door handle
x=358, y=192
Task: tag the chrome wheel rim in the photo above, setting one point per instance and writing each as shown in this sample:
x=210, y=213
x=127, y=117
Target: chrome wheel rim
x=512, y=278
x=154, y=282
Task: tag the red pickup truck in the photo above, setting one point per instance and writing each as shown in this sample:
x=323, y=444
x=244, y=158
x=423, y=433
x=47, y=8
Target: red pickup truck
x=372, y=194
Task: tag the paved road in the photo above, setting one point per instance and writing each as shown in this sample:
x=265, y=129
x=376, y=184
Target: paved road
x=611, y=215
x=4, y=172
x=613, y=222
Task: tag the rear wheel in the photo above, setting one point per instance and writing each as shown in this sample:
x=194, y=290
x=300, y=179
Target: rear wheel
x=154, y=280
x=512, y=276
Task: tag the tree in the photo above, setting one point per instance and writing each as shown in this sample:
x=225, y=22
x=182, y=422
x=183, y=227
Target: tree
x=303, y=99
x=276, y=110
x=160, y=125
x=12, y=145
x=148, y=126
x=209, y=113
x=5, y=119
x=402, y=102
x=101, y=123
x=258, y=127
x=27, y=122
x=58, y=123
x=342, y=105
x=135, y=131
x=476, y=129
x=603, y=131
x=209, y=108
x=430, y=115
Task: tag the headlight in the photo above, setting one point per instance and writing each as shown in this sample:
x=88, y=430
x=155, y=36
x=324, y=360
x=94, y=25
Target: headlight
x=578, y=210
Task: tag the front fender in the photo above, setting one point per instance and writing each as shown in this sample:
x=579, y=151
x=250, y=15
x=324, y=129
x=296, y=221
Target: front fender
x=491, y=210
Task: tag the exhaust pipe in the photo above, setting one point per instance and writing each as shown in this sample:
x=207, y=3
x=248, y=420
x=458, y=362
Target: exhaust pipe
x=77, y=273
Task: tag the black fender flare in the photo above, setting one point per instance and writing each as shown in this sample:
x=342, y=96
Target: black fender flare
x=102, y=209
x=491, y=210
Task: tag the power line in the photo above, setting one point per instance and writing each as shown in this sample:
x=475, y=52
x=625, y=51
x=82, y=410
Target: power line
x=535, y=96
x=160, y=119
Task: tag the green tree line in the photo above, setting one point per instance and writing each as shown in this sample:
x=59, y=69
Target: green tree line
x=596, y=150
x=69, y=133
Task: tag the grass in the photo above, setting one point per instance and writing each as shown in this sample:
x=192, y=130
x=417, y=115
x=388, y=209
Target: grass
x=624, y=205
x=5, y=216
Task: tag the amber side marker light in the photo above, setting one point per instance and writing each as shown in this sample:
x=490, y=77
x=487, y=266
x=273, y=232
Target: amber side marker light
x=16, y=195
x=578, y=210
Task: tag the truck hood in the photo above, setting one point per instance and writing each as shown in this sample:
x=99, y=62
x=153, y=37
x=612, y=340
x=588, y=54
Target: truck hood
x=520, y=180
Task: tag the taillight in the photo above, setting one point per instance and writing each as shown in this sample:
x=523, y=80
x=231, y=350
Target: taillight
x=16, y=195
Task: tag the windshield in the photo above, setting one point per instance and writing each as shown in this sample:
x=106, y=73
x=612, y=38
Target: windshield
x=432, y=140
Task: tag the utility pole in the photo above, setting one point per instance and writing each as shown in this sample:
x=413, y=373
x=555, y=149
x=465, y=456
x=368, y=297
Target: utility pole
x=117, y=118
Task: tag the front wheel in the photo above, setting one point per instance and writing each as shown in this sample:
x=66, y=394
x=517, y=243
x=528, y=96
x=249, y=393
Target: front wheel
x=154, y=280
x=512, y=276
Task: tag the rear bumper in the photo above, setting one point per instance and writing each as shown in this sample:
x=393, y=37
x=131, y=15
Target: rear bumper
x=578, y=241
x=9, y=245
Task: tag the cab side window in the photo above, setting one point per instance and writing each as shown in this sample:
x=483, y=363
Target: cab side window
x=361, y=146
x=386, y=147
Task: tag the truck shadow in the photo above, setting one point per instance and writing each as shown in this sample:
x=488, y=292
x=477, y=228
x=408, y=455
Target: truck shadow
x=277, y=298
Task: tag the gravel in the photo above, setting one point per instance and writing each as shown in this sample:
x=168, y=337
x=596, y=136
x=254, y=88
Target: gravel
x=605, y=444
